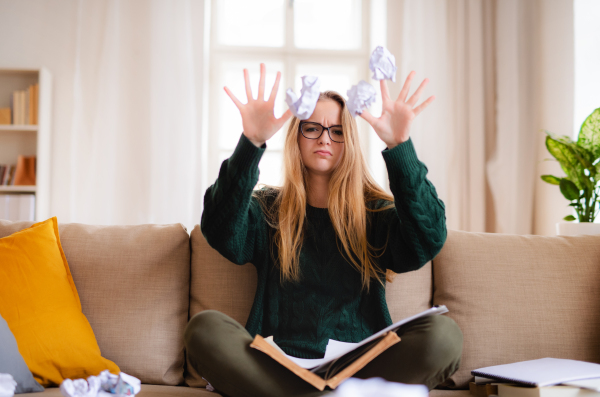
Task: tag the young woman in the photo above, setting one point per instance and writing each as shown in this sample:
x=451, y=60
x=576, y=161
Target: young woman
x=322, y=245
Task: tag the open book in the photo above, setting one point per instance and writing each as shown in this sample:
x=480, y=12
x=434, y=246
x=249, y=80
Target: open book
x=342, y=359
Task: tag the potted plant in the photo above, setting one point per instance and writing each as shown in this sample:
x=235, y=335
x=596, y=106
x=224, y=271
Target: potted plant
x=581, y=186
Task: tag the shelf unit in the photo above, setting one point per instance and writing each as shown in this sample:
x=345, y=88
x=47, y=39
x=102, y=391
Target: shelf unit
x=28, y=140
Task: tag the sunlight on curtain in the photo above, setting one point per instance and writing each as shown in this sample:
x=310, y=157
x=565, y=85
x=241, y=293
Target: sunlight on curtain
x=135, y=133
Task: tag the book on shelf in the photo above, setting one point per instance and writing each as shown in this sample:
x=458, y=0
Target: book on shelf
x=17, y=207
x=5, y=116
x=7, y=173
x=22, y=173
x=342, y=359
x=25, y=106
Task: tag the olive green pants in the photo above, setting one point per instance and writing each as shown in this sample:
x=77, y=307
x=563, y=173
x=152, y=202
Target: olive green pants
x=219, y=349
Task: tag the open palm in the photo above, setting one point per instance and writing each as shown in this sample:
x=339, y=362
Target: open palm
x=393, y=126
x=258, y=120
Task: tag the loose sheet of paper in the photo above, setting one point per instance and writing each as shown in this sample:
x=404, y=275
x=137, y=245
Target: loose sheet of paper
x=335, y=348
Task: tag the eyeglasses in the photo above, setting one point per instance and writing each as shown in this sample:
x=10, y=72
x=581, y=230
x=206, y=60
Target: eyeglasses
x=312, y=130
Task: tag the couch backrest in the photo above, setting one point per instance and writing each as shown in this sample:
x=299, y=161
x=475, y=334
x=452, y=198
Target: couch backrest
x=220, y=285
x=520, y=298
x=133, y=282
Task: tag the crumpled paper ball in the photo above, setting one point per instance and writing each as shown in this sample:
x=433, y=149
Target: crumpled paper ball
x=7, y=385
x=383, y=64
x=304, y=106
x=103, y=385
x=379, y=387
x=360, y=97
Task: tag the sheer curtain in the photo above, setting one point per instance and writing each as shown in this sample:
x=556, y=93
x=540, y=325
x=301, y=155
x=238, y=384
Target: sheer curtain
x=496, y=88
x=136, y=125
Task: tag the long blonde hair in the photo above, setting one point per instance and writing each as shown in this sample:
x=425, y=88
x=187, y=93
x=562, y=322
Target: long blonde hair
x=351, y=188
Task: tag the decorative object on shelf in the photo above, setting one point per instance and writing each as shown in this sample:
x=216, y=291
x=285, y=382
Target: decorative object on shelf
x=581, y=162
x=25, y=171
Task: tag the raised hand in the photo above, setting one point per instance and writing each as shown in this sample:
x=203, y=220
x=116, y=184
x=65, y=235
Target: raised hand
x=258, y=120
x=393, y=127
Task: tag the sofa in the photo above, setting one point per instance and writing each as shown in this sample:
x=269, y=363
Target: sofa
x=514, y=297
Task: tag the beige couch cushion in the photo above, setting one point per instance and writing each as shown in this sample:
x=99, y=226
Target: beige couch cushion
x=520, y=297
x=220, y=285
x=147, y=391
x=133, y=282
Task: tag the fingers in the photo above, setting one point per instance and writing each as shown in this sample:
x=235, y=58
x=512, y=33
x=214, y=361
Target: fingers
x=422, y=106
x=415, y=97
x=275, y=88
x=261, y=83
x=368, y=116
x=385, y=94
x=406, y=87
x=248, y=89
x=233, y=98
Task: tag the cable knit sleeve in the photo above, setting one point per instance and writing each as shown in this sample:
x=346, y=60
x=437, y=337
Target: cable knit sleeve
x=232, y=221
x=415, y=230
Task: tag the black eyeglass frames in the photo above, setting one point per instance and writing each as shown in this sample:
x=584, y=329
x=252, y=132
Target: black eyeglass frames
x=312, y=130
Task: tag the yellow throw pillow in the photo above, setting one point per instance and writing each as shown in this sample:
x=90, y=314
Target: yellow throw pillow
x=39, y=301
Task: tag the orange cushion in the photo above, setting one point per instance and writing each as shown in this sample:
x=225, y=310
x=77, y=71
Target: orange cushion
x=39, y=301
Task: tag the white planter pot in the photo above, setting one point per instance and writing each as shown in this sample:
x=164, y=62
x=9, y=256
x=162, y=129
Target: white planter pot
x=574, y=228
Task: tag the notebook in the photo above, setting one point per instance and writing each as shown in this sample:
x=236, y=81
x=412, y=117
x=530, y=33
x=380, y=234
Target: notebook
x=541, y=372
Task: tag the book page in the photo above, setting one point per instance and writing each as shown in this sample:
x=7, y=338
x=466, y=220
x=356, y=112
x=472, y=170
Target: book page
x=335, y=348
x=341, y=348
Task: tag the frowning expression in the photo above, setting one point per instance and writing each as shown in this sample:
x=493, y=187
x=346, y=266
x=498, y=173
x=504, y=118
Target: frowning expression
x=323, y=154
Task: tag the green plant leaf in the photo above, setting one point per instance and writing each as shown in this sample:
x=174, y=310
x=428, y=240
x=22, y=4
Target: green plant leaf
x=589, y=134
x=569, y=218
x=567, y=159
x=568, y=189
x=551, y=179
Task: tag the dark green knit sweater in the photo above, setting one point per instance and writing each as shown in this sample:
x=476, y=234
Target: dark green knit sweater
x=328, y=302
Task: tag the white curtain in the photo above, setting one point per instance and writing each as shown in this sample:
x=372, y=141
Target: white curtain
x=481, y=138
x=135, y=154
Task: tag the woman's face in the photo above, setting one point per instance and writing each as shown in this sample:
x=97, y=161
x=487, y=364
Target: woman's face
x=320, y=156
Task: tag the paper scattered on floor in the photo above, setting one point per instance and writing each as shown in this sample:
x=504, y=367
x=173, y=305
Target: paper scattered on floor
x=360, y=97
x=383, y=64
x=7, y=385
x=103, y=385
x=354, y=387
x=304, y=106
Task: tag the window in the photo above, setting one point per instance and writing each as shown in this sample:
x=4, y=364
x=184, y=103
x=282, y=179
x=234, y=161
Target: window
x=332, y=39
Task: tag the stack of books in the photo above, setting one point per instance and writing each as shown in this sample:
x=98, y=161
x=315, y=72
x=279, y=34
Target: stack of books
x=546, y=377
x=24, y=107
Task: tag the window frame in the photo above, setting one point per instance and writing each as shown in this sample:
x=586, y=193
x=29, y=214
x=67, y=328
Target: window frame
x=290, y=56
